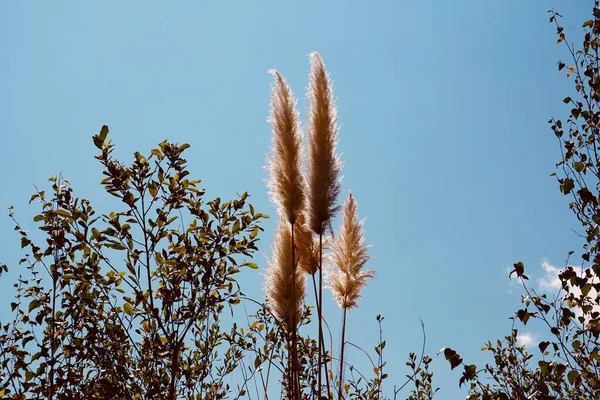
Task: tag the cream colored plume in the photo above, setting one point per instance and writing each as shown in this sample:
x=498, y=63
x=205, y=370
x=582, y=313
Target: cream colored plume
x=348, y=256
x=307, y=246
x=323, y=185
x=284, y=294
x=284, y=164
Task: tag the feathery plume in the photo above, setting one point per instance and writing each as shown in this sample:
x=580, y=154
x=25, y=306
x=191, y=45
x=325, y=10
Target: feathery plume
x=349, y=254
x=285, y=183
x=324, y=164
x=283, y=293
x=307, y=246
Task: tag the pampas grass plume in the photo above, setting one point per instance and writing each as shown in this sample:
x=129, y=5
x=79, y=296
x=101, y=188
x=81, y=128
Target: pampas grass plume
x=348, y=256
x=285, y=182
x=307, y=246
x=323, y=164
x=285, y=296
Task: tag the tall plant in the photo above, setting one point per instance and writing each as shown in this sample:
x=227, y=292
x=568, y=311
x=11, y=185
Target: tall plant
x=568, y=362
x=349, y=255
x=323, y=173
x=285, y=288
x=306, y=200
x=127, y=304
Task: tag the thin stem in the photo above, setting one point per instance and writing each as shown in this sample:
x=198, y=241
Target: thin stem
x=53, y=331
x=320, y=311
x=270, y=358
x=147, y=251
x=320, y=308
x=289, y=371
x=295, y=384
x=380, y=366
x=341, y=378
x=54, y=274
x=410, y=378
x=319, y=339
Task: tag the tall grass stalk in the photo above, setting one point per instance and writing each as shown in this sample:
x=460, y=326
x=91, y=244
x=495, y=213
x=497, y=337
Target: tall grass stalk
x=324, y=166
x=346, y=281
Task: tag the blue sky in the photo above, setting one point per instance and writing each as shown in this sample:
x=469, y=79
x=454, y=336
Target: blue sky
x=443, y=107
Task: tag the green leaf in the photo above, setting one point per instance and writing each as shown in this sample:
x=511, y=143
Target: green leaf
x=588, y=23
x=470, y=371
x=153, y=189
x=103, y=133
x=128, y=309
x=116, y=246
x=579, y=166
x=567, y=185
x=572, y=376
x=523, y=315
x=453, y=357
x=38, y=218
x=33, y=305
x=585, y=289
x=542, y=387
x=129, y=199
x=519, y=270
x=157, y=153
x=567, y=100
x=35, y=356
x=63, y=213
x=251, y=265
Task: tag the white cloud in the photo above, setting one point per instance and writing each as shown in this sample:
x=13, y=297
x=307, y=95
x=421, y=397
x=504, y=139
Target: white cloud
x=550, y=281
x=526, y=339
x=551, y=284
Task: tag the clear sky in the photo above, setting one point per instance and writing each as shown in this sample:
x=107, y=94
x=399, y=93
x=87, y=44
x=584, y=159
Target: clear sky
x=443, y=106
